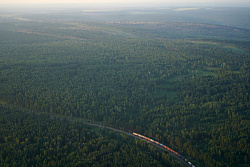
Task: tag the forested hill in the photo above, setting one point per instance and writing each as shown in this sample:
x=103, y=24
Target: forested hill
x=184, y=83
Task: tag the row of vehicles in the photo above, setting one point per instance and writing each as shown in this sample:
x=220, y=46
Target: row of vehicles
x=167, y=148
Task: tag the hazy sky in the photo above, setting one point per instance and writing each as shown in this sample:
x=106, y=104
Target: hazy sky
x=121, y=1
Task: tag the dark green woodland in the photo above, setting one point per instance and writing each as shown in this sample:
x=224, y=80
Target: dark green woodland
x=178, y=79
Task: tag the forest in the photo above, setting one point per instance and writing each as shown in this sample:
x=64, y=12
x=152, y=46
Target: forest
x=184, y=83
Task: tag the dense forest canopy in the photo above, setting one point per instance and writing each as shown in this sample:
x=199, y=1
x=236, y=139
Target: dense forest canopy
x=179, y=79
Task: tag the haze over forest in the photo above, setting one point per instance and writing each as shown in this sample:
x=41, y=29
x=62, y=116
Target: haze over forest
x=76, y=80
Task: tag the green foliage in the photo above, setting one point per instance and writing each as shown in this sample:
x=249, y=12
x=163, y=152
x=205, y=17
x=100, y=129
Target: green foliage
x=30, y=139
x=178, y=87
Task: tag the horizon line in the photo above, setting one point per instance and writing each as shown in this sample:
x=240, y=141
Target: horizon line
x=129, y=4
